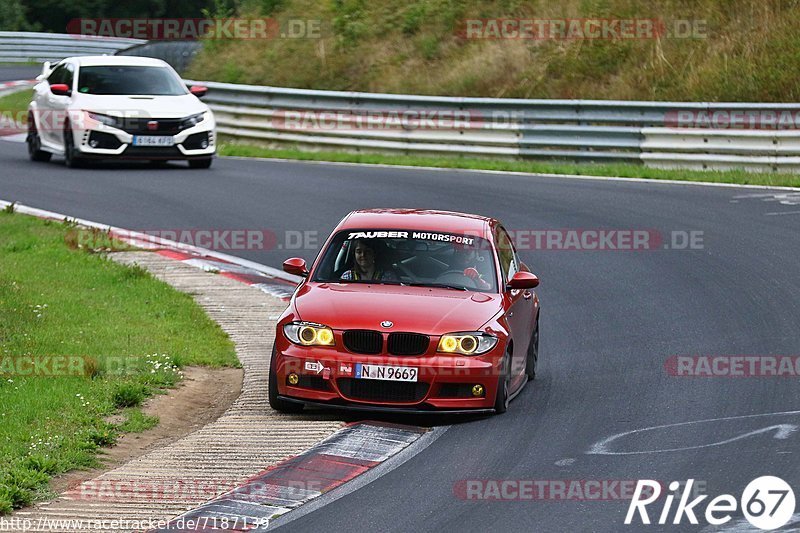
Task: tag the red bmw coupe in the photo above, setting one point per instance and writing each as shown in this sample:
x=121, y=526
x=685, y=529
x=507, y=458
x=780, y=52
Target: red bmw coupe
x=408, y=310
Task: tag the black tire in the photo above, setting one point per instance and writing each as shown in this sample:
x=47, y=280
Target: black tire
x=533, y=353
x=272, y=392
x=201, y=163
x=501, y=398
x=34, y=142
x=70, y=159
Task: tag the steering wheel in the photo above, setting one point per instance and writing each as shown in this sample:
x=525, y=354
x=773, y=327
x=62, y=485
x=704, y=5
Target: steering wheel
x=456, y=277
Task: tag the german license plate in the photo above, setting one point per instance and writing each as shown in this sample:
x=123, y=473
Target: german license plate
x=153, y=140
x=386, y=373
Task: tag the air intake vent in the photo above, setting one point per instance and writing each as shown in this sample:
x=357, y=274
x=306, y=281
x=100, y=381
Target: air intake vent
x=382, y=391
x=363, y=341
x=408, y=343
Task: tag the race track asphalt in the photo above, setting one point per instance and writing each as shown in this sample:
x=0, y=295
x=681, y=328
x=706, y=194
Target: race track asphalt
x=610, y=320
x=19, y=72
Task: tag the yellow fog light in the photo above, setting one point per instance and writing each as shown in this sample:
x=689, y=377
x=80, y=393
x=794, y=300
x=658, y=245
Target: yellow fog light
x=477, y=390
x=449, y=343
x=293, y=379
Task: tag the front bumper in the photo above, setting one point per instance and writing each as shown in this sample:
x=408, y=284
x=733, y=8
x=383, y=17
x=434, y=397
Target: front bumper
x=326, y=377
x=384, y=409
x=104, y=142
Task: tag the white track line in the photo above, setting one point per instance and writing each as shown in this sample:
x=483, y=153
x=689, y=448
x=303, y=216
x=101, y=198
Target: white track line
x=783, y=213
x=513, y=173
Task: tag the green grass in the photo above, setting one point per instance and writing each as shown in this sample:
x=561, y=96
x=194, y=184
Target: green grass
x=737, y=51
x=136, y=421
x=130, y=333
x=585, y=169
x=15, y=106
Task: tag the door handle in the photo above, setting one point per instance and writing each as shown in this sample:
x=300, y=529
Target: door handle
x=527, y=295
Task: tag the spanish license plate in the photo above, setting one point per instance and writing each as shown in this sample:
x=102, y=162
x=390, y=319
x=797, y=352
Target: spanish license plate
x=153, y=140
x=386, y=373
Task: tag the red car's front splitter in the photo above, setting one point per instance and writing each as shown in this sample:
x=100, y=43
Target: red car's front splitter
x=388, y=409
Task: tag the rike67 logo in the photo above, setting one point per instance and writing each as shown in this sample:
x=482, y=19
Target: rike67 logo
x=767, y=503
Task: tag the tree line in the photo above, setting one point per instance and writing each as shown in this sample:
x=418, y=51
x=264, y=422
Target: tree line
x=54, y=15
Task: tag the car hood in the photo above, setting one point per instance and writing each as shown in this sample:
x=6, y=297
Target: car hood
x=431, y=311
x=141, y=106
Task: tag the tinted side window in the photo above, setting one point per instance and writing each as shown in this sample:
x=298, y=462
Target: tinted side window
x=505, y=251
x=69, y=75
x=58, y=75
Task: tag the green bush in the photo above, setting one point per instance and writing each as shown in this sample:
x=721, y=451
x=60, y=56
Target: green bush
x=128, y=394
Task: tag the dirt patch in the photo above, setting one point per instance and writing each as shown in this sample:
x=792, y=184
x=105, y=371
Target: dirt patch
x=200, y=398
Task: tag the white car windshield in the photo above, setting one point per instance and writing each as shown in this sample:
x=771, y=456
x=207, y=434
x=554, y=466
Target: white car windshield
x=422, y=258
x=130, y=80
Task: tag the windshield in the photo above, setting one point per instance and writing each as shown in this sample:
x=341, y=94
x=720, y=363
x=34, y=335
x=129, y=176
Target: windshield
x=130, y=80
x=428, y=259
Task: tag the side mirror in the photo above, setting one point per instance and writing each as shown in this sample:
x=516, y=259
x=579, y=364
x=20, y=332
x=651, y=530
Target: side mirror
x=60, y=89
x=198, y=90
x=296, y=266
x=523, y=280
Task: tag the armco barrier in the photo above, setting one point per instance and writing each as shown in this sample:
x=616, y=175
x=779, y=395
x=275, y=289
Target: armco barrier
x=24, y=47
x=577, y=130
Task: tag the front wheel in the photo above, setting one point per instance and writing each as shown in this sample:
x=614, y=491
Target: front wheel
x=501, y=399
x=200, y=163
x=276, y=403
x=533, y=353
x=71, y=159
x=35, y=151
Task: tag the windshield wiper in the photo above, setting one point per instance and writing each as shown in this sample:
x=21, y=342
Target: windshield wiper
x=439, y=286
x=366, y=281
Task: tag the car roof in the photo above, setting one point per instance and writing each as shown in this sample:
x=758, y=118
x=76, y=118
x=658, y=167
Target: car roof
x=96, y=61
x=419, y=220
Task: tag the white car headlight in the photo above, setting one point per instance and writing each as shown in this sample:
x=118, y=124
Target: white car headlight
x=308, y=334
x=193, y=120
x=108, y=120
x=467, y=343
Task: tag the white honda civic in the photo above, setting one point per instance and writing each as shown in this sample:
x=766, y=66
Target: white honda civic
x=118, y=107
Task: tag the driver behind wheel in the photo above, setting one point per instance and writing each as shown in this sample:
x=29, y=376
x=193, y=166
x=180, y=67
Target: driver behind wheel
x=473, y=264
x=366, y=265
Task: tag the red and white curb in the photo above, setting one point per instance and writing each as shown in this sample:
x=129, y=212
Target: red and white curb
x=345, y=455
x=342, y=457
x=267, y=279
x=14, y=85
x=10, y=129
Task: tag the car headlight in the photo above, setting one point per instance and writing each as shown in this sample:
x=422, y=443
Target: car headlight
x=108, y=120
x=194, y=120
x=467, y=343
x=308, y=334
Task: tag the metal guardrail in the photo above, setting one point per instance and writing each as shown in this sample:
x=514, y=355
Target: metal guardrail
x=24, y=47
x=576, y=130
